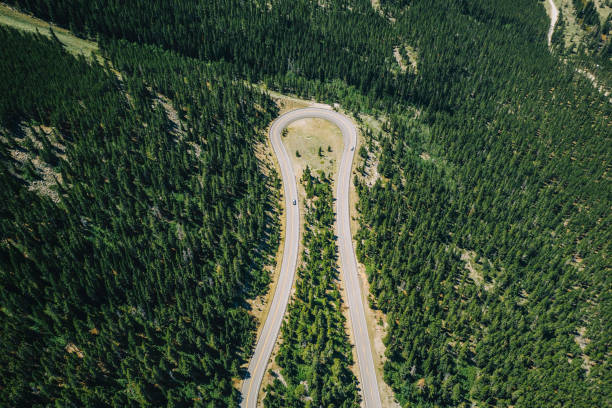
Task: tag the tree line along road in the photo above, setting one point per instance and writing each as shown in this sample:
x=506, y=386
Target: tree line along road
x=348, y=263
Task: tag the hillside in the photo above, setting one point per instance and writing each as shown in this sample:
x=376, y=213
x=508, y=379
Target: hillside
x=124, y=278
x=137, y=221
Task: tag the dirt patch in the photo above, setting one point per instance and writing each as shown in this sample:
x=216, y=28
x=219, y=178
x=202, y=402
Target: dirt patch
x=177, y=126
x=475, y=274
x=406, y=57
x=172, y=114
x=475, y=269
x=272, y=372
x=604, y=8
x=286, y=103
x=591, y=77
x=46, y=178
x=582, y=342
x=368, y=167
x=399, y=59
x=71, y=348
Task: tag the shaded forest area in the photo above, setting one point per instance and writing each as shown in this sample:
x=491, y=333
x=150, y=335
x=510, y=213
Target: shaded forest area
x=315, y=354
x=486, y=240
x=263, y=39
x=130, y=289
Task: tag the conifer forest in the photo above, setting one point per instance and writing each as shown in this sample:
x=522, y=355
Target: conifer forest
x=141, y=212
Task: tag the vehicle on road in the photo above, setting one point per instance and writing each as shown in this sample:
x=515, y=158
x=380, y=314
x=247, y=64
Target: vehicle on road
x=348, y=264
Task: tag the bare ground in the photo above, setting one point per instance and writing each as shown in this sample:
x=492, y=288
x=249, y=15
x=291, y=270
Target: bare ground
x=582, y=342
x=475, y=269
x=308, y=136
x=49, y=177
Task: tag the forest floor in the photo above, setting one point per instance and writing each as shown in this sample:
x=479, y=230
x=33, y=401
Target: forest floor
x=574, y=33
x=24, y=22
x=47, y=177
x=411, y=60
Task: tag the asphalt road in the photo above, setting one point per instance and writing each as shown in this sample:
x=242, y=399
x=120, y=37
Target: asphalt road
x=348, y=263
x=554, y=16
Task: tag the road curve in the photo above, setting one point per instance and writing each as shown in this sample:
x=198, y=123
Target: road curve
x=348, y=263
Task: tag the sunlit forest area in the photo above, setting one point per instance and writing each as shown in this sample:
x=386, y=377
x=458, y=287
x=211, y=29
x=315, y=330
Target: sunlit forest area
x=124, y=284
x=136, y=219
x=315, y=354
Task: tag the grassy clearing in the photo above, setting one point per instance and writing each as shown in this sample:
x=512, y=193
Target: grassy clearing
x=20, y=21
x=604, y=8
x=574, y=33
x=312, y=138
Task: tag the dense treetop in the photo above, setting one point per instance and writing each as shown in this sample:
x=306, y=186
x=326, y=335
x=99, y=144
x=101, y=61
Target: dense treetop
x=486, y=239
x=128, y=290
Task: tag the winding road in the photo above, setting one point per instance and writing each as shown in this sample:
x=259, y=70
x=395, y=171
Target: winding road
x=348, y=263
